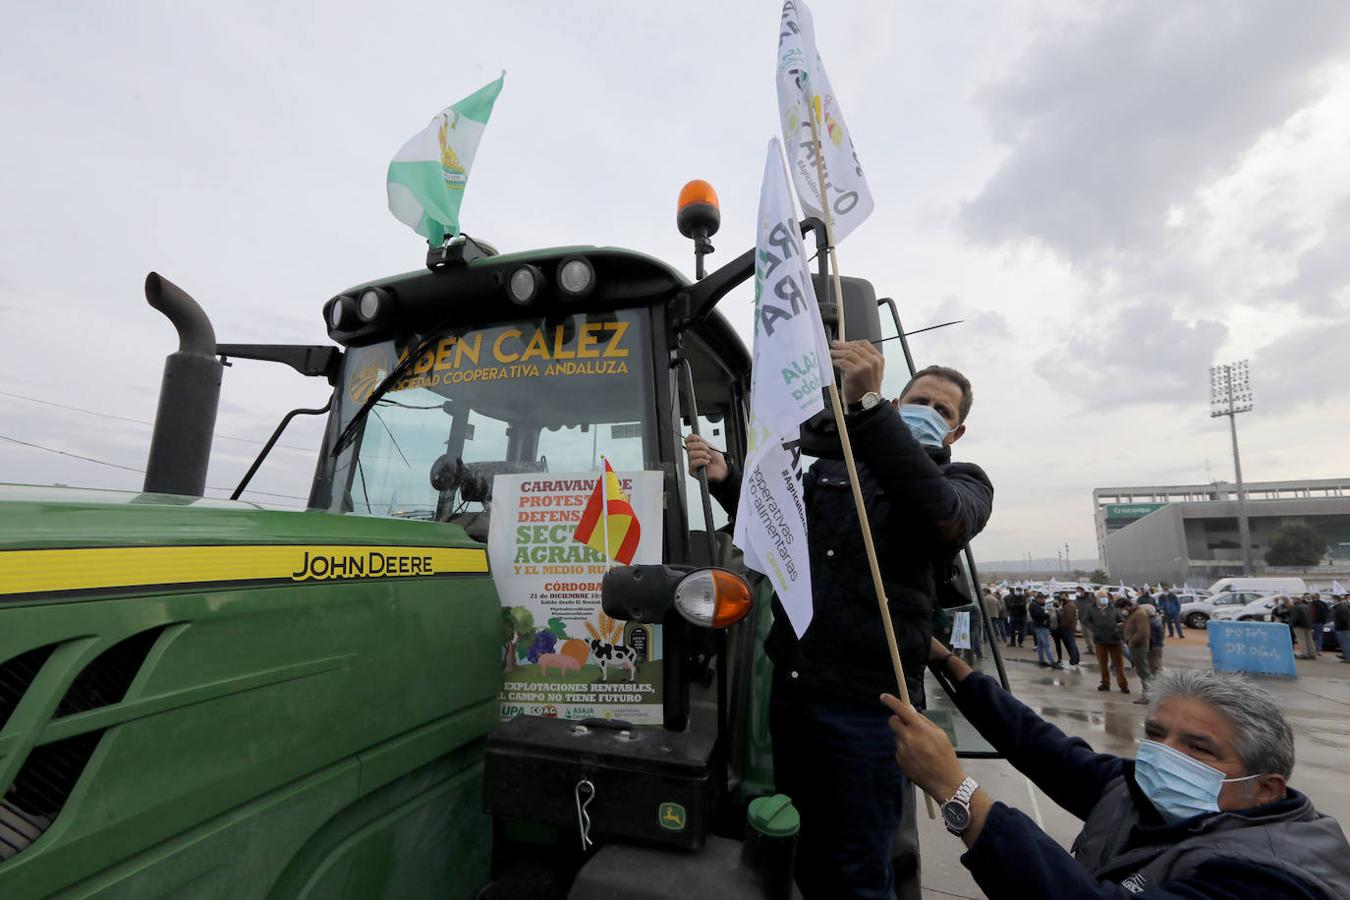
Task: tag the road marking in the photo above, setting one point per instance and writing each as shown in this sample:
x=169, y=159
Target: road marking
x=1035, y=806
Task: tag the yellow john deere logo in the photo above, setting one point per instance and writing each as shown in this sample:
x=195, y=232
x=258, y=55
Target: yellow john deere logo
x=671, y=816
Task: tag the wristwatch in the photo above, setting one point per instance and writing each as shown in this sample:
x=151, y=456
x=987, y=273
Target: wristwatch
x=866, y=402
x=956, y=811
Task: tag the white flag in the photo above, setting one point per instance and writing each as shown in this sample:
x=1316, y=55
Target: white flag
x=427, y=177
x=803, y=89
x=791, y=364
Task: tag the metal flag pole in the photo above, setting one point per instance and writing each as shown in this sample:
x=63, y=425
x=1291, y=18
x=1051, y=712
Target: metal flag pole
x=847, y=444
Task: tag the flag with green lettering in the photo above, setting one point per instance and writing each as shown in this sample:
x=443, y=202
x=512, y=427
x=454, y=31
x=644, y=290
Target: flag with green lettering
x=427, y=177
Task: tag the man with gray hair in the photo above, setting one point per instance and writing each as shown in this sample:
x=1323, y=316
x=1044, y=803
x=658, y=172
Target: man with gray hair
x=1204, y=809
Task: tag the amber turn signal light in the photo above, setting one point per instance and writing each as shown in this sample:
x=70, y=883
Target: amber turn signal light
x=713, y=598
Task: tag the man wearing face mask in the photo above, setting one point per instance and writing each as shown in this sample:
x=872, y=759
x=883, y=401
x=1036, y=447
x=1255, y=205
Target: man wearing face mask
x=1203, y=811
x=833, y=751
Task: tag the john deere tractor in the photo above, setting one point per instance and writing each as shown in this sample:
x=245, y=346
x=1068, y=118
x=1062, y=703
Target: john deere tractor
x=207, y=698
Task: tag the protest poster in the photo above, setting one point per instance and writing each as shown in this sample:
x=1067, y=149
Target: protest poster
x=1260, y=647
x=562, y=657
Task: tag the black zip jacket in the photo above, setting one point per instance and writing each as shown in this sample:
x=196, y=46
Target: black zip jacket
x=923, y=509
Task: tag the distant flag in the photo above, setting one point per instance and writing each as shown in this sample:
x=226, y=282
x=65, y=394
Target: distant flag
x=1336, y=589
x=803, y=91
x=427, y=177
x=608, y=524
x=790, y=364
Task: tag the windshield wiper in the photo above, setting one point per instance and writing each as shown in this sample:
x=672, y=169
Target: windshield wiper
x=349, y=433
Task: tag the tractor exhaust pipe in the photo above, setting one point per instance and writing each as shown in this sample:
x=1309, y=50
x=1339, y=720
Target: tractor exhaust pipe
x=189, y=395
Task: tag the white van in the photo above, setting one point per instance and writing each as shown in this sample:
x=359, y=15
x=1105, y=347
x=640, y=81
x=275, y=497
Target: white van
x=1293, y=587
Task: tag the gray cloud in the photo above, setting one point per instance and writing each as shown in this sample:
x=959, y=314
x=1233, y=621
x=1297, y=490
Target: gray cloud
x=1142, y=354
x=1307, y=367
x=1324, y=269
x=1111, y=122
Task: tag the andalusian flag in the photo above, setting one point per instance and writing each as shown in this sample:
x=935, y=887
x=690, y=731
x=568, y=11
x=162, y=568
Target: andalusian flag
x=608, y=524
x=426, y=179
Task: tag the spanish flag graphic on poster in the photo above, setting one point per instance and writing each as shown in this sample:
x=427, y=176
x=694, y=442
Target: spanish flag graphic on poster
x=618, y=537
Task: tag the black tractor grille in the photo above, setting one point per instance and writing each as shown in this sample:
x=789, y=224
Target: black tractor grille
x=44, y=783
x=105, y=680
x=42, y=787
x=16, y=676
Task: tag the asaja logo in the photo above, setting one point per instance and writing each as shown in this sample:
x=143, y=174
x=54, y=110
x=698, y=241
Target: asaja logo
x=368, y=375
x=671, y=816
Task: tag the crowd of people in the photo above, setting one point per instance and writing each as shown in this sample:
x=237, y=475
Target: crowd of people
x=1307, y=617
x=1120, y=629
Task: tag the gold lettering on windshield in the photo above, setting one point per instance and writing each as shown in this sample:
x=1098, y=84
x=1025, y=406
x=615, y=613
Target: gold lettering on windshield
x=559, y=339
x=497, y=346
x=537, y=347
x=588, y=346
x=469, y=347
x=612, y=349
x=443, y=351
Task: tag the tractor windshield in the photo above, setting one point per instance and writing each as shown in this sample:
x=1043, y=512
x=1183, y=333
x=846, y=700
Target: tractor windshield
x=534, y=395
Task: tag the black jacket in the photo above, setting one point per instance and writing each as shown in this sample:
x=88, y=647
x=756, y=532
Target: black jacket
x=1301, y=616
x=1340, y=617
x=1075, y=777
x=923, y=509
x=1039, y=617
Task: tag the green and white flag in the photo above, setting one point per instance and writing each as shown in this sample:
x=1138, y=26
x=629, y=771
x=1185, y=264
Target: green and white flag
x=427, y=177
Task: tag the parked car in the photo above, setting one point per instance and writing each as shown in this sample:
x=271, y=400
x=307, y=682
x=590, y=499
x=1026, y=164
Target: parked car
x=1245, y=606
x=1198, y=606
x=1290, y=587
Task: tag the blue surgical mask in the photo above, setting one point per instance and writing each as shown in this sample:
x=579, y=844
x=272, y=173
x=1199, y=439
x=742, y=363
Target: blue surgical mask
x=926, y=424
x=1177, y=785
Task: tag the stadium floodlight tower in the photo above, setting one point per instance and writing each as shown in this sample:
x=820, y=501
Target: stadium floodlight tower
x=1230, y=393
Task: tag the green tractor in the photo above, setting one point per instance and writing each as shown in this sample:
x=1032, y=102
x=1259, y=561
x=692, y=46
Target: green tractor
x=204, y=698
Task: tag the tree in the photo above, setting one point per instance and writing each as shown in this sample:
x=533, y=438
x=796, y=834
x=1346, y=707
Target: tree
x=1098, y=576
x=1295, y=543
x=517, y=627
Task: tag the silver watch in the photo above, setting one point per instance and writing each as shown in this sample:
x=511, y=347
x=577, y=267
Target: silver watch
x=956, y=811
x=869, y=400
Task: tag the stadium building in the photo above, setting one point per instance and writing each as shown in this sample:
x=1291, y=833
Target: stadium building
x=1189, y=532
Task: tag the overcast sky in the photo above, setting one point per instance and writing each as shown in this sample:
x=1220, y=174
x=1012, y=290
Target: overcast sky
x=1114, y=196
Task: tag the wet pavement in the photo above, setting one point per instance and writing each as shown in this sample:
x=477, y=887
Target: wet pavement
x=1317, y=704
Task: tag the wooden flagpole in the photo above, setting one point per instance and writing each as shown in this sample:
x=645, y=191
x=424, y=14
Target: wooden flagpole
x=847, y=444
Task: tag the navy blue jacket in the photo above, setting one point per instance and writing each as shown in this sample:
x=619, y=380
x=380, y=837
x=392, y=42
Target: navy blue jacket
x=1014, y=858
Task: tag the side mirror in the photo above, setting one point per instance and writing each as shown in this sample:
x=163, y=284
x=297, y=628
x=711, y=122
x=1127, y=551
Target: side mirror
x=709, y=597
